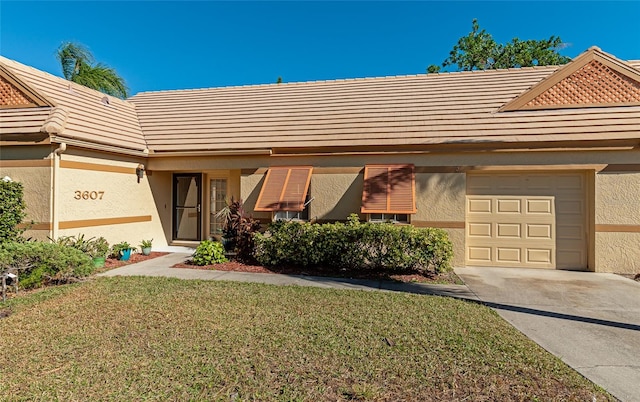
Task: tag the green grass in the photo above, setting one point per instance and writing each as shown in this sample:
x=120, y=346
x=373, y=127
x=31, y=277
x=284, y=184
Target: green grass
x=167, y=339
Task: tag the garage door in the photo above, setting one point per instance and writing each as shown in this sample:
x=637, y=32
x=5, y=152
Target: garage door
x=532, y=220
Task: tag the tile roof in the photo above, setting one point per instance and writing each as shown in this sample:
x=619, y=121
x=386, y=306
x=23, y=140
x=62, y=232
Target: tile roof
x=419, y=110
x=88, y=117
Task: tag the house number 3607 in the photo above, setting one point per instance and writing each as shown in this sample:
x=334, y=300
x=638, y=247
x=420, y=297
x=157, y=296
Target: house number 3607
x=88, y=195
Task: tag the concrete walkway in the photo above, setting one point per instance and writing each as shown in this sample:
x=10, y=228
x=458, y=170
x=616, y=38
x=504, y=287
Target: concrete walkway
x=161, y=266
x=591, y=321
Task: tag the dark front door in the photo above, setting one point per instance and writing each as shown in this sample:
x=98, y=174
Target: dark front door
x=187, y=216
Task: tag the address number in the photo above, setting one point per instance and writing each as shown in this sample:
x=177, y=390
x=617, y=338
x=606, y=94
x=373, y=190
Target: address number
x=88, y=195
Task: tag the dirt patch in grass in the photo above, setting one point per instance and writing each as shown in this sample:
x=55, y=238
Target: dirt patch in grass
x=237, y=266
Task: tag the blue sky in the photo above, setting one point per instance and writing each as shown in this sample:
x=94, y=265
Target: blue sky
x=179, y=45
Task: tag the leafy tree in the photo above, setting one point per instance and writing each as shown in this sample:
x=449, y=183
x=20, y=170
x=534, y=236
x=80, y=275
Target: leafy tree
x=78, y=65
x=479, y=51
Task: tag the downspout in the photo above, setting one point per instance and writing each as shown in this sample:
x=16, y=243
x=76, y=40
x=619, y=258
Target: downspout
x=55, y=124
x=55, y=219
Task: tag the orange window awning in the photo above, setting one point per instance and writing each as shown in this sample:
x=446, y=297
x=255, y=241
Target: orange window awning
x=389, y=189
x=284, y=189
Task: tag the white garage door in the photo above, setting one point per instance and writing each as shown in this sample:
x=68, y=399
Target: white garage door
x=532, y=220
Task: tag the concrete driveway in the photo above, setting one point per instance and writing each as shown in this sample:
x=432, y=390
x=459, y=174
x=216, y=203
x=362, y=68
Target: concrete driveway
x=591, y=321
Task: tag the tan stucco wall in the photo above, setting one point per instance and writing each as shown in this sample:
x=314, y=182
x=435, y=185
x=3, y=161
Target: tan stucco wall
x=31, y=166
x=618, y=252
x=618, y=198
x=36, y=182
x=25, y=152
x=479, y=159
x=335, y=196
x=440, y=197
x=617, y=206
x=123, y=197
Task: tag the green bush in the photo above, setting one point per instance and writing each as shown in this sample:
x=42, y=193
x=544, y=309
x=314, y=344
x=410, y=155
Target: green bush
x=41, y=263
x=92, y=247
x=12, y=210
x=209, y=252
x=355, y=245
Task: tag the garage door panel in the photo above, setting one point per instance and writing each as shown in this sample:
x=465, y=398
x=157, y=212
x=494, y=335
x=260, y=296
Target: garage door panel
x=508, y=206
x=508, y=255
x=537, y=231
x=570, y=207
x=510, y=230
x=535, y=220
x=540, y=256
x=569, y=182
x=480, y=229
x=479, y=254
x=571, y=232
x=480, y=206
x=540, y=206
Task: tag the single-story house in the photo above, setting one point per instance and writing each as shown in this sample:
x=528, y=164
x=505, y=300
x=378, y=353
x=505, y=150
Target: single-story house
x=533, y=167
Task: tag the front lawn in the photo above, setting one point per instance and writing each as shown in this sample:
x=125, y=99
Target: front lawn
x=128, y=338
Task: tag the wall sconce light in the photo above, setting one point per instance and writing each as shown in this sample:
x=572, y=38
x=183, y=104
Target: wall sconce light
x=140, y=172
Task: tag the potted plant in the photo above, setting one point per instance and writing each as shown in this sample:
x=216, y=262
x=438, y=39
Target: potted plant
x=122, y=250
x=145, y=246
x=98, y=250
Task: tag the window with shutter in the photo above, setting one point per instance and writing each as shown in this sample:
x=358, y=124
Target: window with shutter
x=284, y=189
x=389, y=189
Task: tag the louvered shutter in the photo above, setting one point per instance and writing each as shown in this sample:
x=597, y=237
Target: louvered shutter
x=284, y=189
x=389, y=189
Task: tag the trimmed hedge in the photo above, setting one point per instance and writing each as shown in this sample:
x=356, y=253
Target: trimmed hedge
x=355, y=245
x=41, y=263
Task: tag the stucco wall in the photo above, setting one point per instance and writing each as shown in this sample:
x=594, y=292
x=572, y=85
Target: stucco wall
x=335, y=195
x=113, y=198
x=440, y=200
x=440, y=195
x=617, y=209
x=36, y=183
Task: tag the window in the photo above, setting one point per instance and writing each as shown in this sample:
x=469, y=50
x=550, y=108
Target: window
x=291, y=215
x=294, y=215
x=284, y=189
x=389, y=191
x=393, y=218
x=217, y=202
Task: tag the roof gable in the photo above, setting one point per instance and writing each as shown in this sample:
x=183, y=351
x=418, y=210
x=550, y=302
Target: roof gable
x=593, y=79
x=16, y=94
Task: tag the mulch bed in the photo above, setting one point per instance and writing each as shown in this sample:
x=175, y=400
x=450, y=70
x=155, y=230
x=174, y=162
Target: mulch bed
x=111, y=263
x=238, y=266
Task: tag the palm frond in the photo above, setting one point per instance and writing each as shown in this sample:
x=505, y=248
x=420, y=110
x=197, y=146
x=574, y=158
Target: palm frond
x=78, y=66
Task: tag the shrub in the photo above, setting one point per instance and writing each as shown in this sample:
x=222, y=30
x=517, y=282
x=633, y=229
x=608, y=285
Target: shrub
x=239, y=229
x=12, y=210
x=41, y=263
x=355, y=245
x=209, y=252
x=92, y=247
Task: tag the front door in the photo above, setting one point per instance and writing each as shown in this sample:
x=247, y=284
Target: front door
x=186, y=206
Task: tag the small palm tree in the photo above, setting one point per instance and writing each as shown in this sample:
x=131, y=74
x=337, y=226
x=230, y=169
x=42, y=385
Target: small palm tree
x=78, y=65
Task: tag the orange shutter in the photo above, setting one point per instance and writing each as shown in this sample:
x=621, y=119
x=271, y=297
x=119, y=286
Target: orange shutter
x=284, y=189
x=389, y=189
